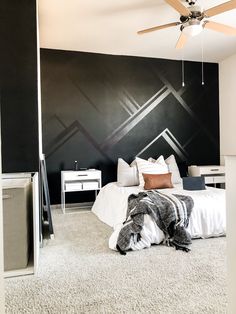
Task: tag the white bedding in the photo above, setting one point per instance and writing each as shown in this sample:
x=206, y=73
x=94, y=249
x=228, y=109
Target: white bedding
x=208, y=218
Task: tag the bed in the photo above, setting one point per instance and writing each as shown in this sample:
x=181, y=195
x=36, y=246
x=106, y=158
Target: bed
x=208, y=218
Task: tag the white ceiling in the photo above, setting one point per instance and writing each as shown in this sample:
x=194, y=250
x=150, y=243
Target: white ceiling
x=110, y=26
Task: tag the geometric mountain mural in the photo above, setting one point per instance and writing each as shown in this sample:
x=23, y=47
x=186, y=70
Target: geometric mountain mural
x=97, y=108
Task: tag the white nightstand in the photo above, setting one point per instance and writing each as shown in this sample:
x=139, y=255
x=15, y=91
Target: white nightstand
x=212, y=174
x=82, y=180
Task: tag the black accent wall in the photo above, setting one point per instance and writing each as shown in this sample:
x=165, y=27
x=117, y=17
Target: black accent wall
x=99, y=107
x=18, y=86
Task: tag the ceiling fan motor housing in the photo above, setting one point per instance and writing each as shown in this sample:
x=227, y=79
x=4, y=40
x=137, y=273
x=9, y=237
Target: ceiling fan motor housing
x=196, y=10
x=196, y=13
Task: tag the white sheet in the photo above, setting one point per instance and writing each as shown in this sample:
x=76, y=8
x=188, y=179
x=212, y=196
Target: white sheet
x=208, y=217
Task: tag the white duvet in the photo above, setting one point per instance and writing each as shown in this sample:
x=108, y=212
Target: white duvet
x=208, y=218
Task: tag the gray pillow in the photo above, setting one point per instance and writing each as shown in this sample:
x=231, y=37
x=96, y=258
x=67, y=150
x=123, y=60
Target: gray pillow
x=173, y=168
x=194, y=183
x=127, y=175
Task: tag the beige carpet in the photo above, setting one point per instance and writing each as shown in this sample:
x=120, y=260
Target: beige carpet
x=79, y=274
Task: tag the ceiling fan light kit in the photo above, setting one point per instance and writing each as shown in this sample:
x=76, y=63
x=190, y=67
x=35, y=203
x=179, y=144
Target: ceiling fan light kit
x=192, y=28
x=193, y=20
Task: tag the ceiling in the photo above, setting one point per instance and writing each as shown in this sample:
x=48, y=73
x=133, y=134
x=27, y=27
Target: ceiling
x=110, y=26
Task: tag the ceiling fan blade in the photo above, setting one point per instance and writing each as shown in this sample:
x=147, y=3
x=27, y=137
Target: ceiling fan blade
x=156, y=28
x=178, y=6
x=228, y=30
x=230, y=5
x=181, y=41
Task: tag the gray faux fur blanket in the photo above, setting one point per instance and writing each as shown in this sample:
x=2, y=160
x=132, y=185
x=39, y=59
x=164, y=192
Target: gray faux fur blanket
x=170, y=212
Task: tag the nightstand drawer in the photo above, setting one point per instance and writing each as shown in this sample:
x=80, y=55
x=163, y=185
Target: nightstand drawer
x=81, y=175
x=219, y=179
x=209, y=180
x=75, y=186
x=213, y=170
x=90, y=186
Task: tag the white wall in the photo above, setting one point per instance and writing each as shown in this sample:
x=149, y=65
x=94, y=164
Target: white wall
x=227, y=80
x=230, y=162
x=227, y=88
x=1, y=240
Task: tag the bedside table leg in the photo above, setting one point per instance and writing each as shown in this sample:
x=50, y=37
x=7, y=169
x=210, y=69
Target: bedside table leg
x=63, y=206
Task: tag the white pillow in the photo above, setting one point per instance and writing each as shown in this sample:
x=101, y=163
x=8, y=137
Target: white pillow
x=151, y=159
x=173, y=168
x=127, y=175
x=145, y=166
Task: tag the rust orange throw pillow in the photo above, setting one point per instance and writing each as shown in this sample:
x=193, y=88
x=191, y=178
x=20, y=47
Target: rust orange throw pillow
x=157, y=181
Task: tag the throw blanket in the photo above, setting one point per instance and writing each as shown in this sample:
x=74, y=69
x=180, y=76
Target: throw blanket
x=170, y=212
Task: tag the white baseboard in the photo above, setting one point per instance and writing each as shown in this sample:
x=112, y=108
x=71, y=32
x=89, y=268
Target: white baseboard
x=74, y=205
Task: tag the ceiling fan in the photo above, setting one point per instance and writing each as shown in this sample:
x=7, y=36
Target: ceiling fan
x=193, y=20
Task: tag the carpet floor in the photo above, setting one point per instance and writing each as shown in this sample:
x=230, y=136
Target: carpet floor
x=79, y=274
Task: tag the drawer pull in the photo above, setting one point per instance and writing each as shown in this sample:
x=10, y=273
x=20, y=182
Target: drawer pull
x=215, y=169
x=82, y=175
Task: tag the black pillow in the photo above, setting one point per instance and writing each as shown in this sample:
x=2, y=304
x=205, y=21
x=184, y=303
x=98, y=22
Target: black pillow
x=194, y=183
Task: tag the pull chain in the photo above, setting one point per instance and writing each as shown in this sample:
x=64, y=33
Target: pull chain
x=183, y=83
x=202, y=44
